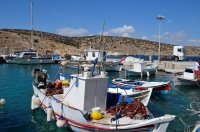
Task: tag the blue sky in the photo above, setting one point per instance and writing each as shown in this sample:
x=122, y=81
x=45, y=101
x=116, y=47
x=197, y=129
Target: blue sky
x=128, y=18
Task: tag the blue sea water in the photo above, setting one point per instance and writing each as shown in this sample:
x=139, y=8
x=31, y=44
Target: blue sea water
x=16, y=88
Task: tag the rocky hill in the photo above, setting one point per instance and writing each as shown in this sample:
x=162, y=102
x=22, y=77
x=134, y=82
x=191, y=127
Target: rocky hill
x=18, y=39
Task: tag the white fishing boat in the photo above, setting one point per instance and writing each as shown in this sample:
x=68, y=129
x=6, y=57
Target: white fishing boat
x=190, y=76
x=140, y=69
x=87, y=104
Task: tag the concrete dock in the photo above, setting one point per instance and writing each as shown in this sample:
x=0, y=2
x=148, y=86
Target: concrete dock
x=175, y=65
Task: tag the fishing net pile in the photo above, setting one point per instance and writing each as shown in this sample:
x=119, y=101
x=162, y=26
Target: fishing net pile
x=134, y=109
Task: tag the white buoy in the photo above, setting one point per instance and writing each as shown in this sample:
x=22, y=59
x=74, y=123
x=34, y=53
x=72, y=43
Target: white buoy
x=35, y=103
x=2, y=101
x=61, y=122
x=49, y=113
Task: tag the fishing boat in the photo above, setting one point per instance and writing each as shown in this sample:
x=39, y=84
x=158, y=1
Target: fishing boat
x=87, y=104
x=190, y=76
x=140, y=69
x=89, y=56
x=29, y=57
x=158, y=87
x=137, y=67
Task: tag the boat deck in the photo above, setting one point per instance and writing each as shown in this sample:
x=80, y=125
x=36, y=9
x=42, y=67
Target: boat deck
x=122, y=121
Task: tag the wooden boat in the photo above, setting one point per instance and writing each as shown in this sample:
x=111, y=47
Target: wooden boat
x=158, y=87
x=86, y=104
x=190, y=76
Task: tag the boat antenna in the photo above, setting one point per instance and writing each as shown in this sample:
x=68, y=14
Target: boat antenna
x=31, y=24
x=101, y=36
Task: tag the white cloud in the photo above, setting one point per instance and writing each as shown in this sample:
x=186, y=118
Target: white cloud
x=166, y=33
x=125, y=31
x=194, y=42
x=178, y=38
x=144, y=37
x=171, y=36
x=73, y=31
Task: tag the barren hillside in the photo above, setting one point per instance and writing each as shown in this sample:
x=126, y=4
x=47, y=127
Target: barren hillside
x=18, y=39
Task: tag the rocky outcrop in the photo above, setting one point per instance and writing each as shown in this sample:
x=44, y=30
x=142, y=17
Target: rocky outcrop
x=18, y=39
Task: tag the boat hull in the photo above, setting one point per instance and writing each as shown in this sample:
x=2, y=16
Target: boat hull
x=2, y=60
x=113, y=68
x=142, y=73
x=24, y=61
x=185, y=82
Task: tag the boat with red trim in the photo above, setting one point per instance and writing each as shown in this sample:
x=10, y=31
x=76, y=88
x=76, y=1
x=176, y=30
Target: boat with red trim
x=87, y=104
x=158, y=87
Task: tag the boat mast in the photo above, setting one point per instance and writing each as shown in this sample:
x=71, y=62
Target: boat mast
x=31, y=24
x=101, y=36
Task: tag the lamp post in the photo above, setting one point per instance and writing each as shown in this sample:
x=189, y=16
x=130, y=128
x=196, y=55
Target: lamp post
x=160, y=18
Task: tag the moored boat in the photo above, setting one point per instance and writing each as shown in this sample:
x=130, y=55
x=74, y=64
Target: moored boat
x=190, y=76
x=30, y=57
x=87, y=104
x=158, y=87
x=137, y=67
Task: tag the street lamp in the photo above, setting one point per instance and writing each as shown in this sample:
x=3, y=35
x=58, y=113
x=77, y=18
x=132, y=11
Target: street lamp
x=160, y=18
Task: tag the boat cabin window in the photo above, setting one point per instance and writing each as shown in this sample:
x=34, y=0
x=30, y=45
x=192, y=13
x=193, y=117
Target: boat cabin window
x=28, y=55
x=189, y=70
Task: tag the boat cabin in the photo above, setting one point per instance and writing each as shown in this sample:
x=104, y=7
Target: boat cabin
x=87, y=92
x=28, y=55
x=191, y=73
x=91, y=55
